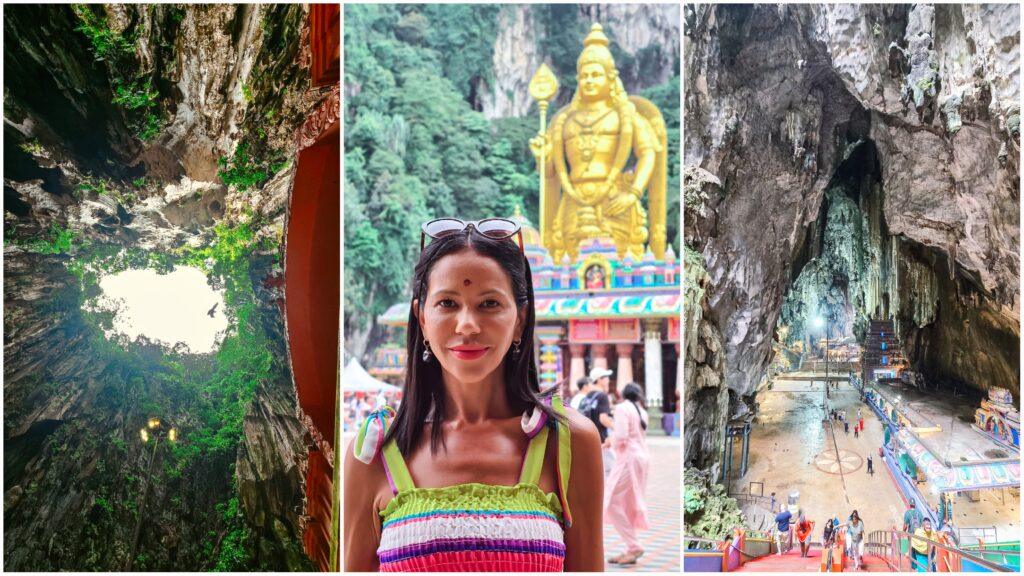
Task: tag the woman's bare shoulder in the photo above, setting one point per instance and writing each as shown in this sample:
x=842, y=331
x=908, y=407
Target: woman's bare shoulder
x=584, y=434
x=362, y=478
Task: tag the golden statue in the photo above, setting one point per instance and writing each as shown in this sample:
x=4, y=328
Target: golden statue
x=583, y=159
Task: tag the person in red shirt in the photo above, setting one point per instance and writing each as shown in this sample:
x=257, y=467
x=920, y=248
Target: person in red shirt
x=804, y=527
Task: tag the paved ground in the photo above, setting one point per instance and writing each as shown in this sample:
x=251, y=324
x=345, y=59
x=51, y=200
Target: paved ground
x=661, y=542
x=790, y=448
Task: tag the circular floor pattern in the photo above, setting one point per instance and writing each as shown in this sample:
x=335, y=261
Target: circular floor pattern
x=846, y=461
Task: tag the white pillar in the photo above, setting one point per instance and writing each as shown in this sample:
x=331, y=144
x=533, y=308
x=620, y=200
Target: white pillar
x=652, y=362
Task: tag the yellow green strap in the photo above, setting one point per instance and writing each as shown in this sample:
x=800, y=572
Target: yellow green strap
x=534, y=462
x=394, y=466
x=563, y=458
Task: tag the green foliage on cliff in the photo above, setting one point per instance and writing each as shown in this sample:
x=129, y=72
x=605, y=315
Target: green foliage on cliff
x=416, y=147
x=106, y=43
x=708, y=512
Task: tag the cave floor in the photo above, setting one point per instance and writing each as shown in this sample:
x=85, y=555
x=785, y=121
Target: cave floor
x=790, y=448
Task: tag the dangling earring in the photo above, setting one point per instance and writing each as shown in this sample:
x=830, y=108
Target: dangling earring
x=515, y=345
x=427, y=355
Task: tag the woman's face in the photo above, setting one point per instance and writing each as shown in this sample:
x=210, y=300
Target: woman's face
x=469, y=316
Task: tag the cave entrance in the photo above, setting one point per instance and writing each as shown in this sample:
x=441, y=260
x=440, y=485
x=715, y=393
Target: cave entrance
x=178, y=309
x=835, y=288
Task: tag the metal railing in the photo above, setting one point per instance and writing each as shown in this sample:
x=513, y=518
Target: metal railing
x=896, y=549
x=975, y=534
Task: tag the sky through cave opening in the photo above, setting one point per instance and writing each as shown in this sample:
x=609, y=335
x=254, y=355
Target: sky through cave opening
x=177, y=307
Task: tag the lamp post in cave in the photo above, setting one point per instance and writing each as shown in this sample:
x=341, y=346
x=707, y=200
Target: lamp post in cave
x=155, y=429
x=820, y=323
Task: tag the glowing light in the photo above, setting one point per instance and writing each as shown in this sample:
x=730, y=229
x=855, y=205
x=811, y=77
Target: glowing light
x=144, y=434
x=154, y=422
x=172, y=435
x=819, y=322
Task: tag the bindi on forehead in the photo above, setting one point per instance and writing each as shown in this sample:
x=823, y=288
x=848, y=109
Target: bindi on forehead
x=467, y=282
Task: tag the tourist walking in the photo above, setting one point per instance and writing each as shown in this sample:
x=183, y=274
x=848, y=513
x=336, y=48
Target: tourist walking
x=855, y=536
x=846, y=427
x=828, y=533
x=922, y=552
x=804, y=528
x=597, y=408
x=912, y=518
x=578, y=397
x=782, y=521
x=856, y=432
x=625, y=500
x=871, y=468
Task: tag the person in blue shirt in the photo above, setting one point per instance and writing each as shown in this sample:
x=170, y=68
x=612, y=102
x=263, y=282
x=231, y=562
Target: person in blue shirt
x=782, y=522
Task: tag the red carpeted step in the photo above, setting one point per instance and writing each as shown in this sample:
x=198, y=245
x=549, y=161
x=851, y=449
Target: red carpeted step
x=792, y=562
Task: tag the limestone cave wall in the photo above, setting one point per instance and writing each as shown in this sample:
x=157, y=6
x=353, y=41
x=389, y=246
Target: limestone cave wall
x=117, y=122
x=863, y=159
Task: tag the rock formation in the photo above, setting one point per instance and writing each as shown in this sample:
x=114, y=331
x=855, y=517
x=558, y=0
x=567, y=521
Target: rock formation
x=120, y=123
x=640, y=31
x=863, y=159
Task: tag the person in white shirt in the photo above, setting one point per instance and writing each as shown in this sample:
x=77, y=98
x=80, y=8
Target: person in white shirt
x=580, y=394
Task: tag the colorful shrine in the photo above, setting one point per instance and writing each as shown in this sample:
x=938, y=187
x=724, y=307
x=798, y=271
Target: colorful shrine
x=998, y=418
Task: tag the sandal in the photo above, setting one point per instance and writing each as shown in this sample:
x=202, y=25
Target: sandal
x=630, y=557
x=616, y=559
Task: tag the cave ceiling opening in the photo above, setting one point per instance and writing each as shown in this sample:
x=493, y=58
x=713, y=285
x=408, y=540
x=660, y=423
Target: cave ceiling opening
x=179, y=310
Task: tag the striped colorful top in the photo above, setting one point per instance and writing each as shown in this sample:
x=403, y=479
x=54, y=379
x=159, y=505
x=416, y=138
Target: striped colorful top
x=477, y=527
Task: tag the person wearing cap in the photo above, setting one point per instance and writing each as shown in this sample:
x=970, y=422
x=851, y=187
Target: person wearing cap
x=911, y=518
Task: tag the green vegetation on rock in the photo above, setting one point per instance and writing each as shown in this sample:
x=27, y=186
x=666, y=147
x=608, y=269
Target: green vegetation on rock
x=708, y=512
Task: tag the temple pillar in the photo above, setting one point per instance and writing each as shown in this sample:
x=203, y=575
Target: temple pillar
x=550, y=359
x=624, y=368
x=599, y=355
x=577, y=366
x=652, y=361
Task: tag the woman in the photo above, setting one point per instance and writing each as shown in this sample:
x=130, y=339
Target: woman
x=473, y=472
x=625, y=503
x=855, y=536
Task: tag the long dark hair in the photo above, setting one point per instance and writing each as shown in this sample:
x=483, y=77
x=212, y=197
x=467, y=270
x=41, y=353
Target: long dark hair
x=424, y=388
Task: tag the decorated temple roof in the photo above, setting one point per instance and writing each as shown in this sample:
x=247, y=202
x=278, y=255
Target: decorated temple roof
x=979, y=476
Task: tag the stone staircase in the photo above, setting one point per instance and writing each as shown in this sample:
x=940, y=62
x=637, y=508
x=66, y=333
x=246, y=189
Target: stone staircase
x=882, y=349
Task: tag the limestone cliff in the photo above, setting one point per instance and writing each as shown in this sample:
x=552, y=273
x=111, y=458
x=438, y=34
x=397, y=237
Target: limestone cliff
x=868, y=162
x=649, y=33
x=120, y=123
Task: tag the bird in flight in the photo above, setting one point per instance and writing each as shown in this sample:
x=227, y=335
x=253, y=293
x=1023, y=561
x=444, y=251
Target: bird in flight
x=212, y=310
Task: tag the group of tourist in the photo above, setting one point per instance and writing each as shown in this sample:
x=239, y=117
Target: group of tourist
x=922, y=553
x=623, y=429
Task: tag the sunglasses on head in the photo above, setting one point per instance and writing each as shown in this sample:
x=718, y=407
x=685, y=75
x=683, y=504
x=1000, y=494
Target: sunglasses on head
x=496, y=228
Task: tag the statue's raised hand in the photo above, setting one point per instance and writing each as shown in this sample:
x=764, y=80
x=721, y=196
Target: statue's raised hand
x=538, y=143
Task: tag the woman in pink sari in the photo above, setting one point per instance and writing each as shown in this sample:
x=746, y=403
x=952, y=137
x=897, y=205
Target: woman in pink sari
x=625, y=499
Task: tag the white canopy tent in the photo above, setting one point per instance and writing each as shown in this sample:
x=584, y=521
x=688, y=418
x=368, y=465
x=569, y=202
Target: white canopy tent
x=355, y=378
